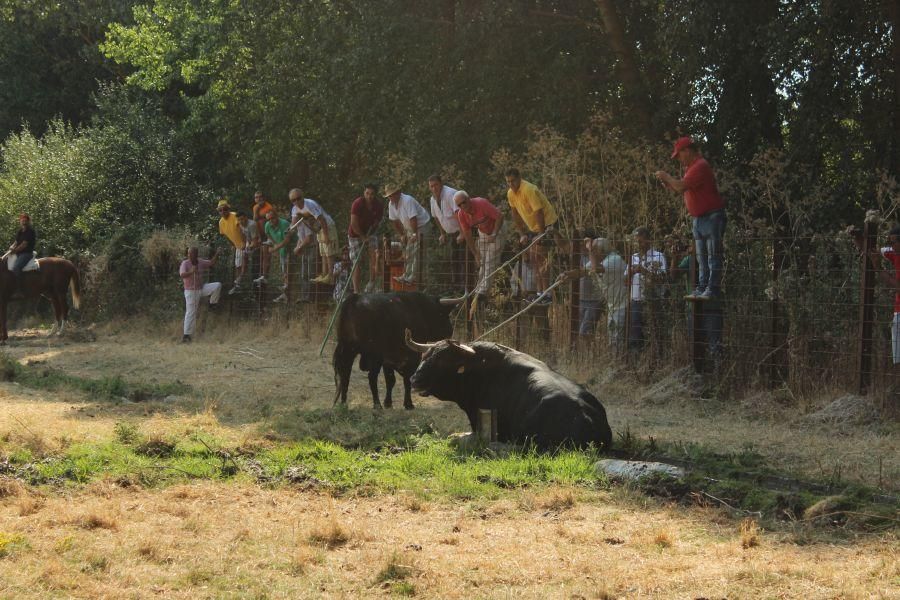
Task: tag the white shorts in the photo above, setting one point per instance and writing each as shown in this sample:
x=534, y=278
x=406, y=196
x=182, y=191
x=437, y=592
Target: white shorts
x=238, y=257
x=895, y=338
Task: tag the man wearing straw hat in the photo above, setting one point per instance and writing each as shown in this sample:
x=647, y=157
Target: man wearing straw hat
x=411, y=224
x=230, y=227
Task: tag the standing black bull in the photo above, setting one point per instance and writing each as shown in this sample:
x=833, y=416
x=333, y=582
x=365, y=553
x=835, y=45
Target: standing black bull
x=372, y=326
x=533, y=402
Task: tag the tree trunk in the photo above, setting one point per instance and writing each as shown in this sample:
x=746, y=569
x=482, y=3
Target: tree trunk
x=627, y=67
x=893, y=10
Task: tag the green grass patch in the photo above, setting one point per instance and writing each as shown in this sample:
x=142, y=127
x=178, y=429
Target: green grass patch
x=430, y=467
x=105, y=388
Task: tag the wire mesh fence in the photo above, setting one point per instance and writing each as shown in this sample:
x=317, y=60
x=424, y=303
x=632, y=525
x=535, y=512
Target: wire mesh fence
x=804, y=313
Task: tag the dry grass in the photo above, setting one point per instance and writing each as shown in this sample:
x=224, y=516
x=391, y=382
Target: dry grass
x=329, y=534
x=106, y=541
x=95, y=521
x=10, y=487
x=149, y=552
x=749, y=531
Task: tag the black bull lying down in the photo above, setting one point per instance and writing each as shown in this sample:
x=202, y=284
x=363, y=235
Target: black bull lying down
x=372, y=327
x=533, y=403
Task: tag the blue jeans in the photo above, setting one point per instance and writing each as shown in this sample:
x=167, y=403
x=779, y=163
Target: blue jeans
x=587, y=317
x=21, y=260
x=709, y=232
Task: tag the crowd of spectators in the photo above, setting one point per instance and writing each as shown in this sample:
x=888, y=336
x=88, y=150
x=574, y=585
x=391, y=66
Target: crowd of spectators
x=264, y=245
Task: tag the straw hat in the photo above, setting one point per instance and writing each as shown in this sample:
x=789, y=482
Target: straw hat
x=390, y=190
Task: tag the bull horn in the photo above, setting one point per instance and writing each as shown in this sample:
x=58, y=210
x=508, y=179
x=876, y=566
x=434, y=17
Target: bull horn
x=464, y=347
x=416, y=346
x=452, y=301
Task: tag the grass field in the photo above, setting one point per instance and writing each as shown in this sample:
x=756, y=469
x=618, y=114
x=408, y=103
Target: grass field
x=132, y=466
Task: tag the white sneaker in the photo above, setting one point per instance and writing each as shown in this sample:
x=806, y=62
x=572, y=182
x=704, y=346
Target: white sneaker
x=235, y=289
x=260, y=279
x=281, y=298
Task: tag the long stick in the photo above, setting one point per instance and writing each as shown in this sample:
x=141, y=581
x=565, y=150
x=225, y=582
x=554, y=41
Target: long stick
x=343, y=295
x=528, y=307
x=504, y=265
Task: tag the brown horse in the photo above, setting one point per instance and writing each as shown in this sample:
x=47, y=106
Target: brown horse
x=55, y=275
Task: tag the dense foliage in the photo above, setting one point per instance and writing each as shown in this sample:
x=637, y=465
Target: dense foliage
x=143, y=113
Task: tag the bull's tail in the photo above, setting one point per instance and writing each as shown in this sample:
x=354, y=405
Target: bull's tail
x=75, y=288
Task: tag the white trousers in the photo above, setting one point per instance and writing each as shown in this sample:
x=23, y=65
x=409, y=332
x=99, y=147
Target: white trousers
x=192, y=303
x=490, y=260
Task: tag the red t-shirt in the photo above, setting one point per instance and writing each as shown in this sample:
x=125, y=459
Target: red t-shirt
x=701, y=195
x=368, y=217
x=894, y=257
x=484, y=216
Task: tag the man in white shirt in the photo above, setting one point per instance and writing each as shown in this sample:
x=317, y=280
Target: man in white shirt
x=410, y=222
x=443, y=209
x=648, y=267
x=314, y=216
x=305, y=252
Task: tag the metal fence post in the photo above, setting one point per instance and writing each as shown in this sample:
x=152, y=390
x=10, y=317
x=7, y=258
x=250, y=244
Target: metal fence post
x=386, y=263
x=866, y=311
x=777, y=334
x=575, y=294
x=698, y=331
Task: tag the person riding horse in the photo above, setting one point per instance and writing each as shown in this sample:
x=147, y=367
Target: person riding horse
x=23, y=247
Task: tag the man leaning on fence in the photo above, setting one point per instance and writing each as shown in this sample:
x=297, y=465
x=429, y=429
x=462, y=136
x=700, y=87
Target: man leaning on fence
x=278, y=231
x=533, y=215
x=411, y=224
x=312, y=213
x=230, y=227
x=443, y=210
x=366, y=214
x=706, y=207
x=192, y=272
x=478, y=213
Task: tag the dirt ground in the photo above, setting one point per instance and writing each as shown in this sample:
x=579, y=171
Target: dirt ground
x=236, y=540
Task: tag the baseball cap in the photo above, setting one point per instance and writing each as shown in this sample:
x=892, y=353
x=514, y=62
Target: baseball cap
x=680, y=144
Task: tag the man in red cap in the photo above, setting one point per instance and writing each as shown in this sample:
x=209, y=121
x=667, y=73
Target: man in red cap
x=23, y=247
x=705, y=205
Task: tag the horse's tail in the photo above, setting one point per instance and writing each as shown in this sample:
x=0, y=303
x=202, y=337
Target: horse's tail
x=75, y=287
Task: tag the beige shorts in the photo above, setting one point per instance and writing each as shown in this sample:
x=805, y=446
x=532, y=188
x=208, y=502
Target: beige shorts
x=331, y=247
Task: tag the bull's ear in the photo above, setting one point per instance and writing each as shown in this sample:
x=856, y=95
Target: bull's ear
x=461, y=369
x=464, y=348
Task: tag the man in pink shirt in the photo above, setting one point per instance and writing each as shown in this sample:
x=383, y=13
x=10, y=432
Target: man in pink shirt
x=192, y=272
x=480, y=214
x=705, y=205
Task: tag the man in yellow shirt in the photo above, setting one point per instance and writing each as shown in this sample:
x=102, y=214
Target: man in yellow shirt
x=230, y=227
x=532, y=215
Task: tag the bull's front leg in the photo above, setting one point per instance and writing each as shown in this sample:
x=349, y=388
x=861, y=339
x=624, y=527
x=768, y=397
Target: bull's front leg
x=390, y=380
x=373, y=385
x=407, y=391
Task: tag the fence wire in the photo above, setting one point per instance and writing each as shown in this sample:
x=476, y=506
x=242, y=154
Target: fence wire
x=791, y=312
